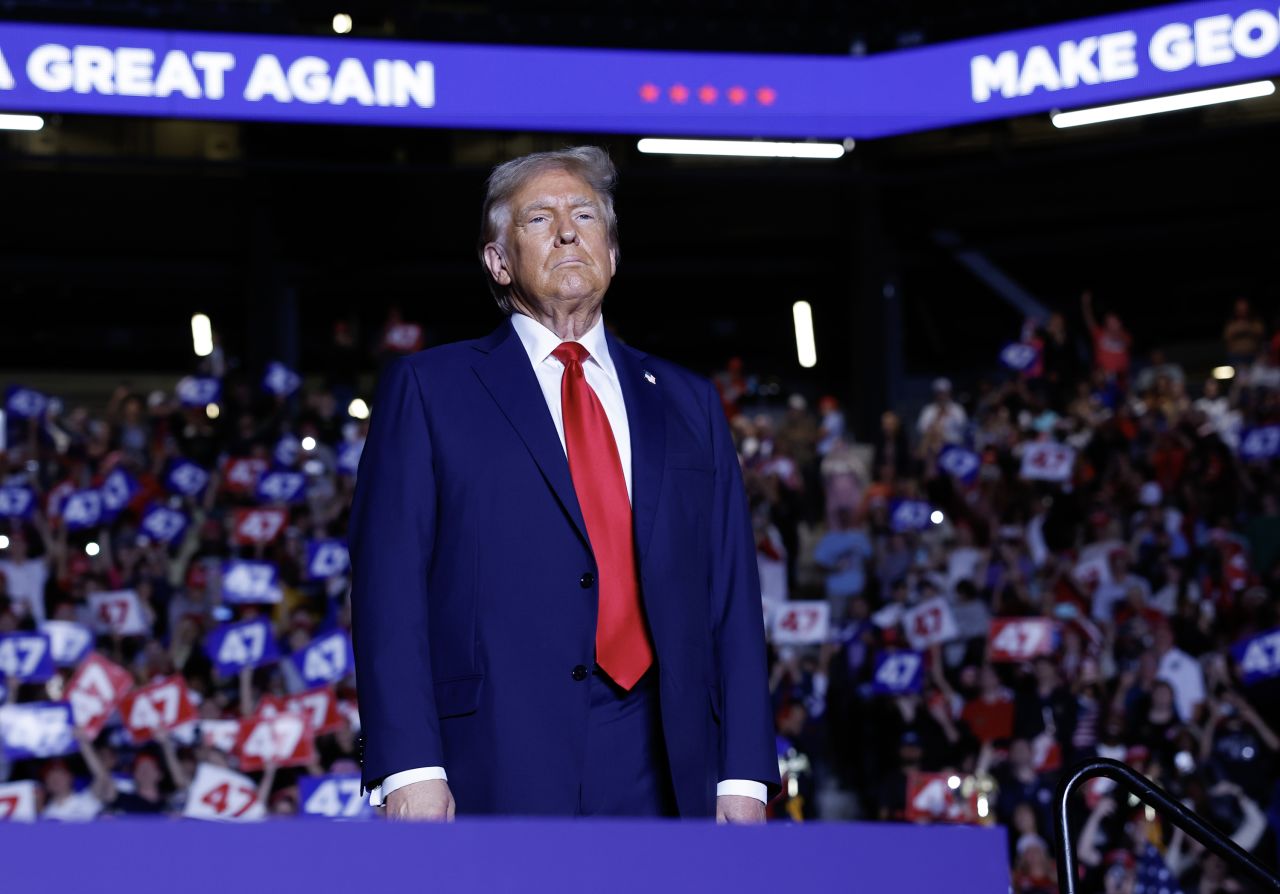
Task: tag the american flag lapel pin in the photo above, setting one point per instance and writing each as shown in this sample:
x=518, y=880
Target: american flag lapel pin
x=648, y=377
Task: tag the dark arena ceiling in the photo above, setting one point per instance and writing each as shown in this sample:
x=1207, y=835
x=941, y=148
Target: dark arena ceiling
x=115, y=229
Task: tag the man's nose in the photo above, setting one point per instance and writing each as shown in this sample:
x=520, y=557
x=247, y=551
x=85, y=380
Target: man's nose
x=568, y=233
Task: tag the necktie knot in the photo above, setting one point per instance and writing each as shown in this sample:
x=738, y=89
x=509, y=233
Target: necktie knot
x=570, y=352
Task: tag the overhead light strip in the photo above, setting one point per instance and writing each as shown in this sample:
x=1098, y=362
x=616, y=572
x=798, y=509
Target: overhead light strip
x=21, y=122
x=1161, y=104
x=740, y=148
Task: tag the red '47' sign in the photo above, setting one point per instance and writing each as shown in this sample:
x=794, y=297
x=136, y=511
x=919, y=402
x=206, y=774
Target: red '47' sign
x=1020, y=639
x=285, y=740
x=162, y=704
x=319, y=706
x=930, y=796
x=94, y=691
x=254, y=526
x=240, y=474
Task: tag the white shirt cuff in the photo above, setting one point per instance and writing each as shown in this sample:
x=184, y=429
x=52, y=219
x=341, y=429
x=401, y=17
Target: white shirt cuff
x=378, y=795
x=747, y=788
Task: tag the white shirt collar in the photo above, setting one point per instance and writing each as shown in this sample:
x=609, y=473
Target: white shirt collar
x=539, y=341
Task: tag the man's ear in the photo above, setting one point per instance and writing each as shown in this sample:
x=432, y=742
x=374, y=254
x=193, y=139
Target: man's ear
x=613, y=262
x=496, y=260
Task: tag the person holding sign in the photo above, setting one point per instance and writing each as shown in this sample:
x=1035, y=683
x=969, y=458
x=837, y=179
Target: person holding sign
x=555, y=599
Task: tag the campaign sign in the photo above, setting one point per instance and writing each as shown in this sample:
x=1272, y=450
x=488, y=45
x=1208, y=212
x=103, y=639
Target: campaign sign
x=1260, y=443
x=199, y=391
x=220, y=734
x=18, y=801
x=37, y=729
x=336, y=796
x=26, y=656
x=1258, y=657
x=1020, y=639
x=240, y=474
x=186, y=479
x=801, y=623
x=119, y=612
x=931, y=798
x=94, y=691
x=326, y=659
x=286, y=451
x=1019, y=356
x=25, y=403
x=17, y=501
x=327, y=558
x=257, y=526
x=161, y=704
x=57, y=496
x=163, y=524
x=245, y=580
x=909, y=515
x=247, y=644
x=280, y=380
x=217, y=793
x=83, y=510
x=349, y=457
x=898, y=673
x=960, y=463
x=930, y=622
x=282, y=486
x=69, y=642
x=1047, y=461
x=319, y=706
x=118, y=490
x=285, y=740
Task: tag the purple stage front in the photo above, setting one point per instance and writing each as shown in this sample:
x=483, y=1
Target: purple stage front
x=616, y=856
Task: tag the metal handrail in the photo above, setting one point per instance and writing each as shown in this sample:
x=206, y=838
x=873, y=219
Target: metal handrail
x=1153, y=795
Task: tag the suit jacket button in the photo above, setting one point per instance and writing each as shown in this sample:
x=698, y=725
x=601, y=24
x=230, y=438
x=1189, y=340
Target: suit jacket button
x=579, y=673
x=586, y=580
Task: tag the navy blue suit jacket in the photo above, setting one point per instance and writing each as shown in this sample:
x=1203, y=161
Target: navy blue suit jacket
x=471, y=606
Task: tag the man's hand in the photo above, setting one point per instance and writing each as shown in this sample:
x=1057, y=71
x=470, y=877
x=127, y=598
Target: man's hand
x=739, y=810
x=429, y=800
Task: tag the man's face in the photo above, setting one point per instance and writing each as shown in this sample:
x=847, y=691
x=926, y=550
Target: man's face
x=556, y=248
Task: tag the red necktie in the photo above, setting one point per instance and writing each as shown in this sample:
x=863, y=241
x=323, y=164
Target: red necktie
x=622, y=644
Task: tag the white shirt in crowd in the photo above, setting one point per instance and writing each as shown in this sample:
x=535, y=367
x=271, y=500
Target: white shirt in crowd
x=26, y=580
x=951, y=418
x=74, y=808
x=1186, y=678
x=539, y=342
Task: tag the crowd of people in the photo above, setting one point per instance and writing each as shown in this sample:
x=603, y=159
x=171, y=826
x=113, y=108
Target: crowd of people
x=1078, y=557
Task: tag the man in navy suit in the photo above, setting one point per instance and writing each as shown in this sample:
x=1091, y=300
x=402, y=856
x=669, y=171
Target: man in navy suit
x=555, y=603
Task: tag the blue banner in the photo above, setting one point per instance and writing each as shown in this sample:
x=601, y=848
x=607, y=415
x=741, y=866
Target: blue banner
x=336, y=796
x=118, y=490
x=909, y=515
x=326, y=659
x=898, y=673
x=343, y=80
x=199, y=391
x=327, y=558
x=1019, y=356
x=24, y=402
x=69, y=642
x=163, y=524
x=282, y=486
x=248, y=644
x=349, y=457
x=186, y=478
x=17, y=501
x=82, y=510
x=26, y=656
x=1260, y=443
x=280, y=380
x=245, y=580
x=1258, y=657
x=960, y=463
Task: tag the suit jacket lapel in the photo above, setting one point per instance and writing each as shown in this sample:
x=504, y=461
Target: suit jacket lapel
x=647, y=421
x=506, y=374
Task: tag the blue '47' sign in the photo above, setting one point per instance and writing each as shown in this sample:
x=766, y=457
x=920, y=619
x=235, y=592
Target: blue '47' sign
x=326, y=659
x=26, y=656
x=335, y=796
x=327, y=558
x=1260, y=443
x=898, y=673
x=1258, y=657
x=232, y=647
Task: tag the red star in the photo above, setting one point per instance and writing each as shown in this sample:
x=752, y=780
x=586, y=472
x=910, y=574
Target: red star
x=707, y=94
x=737, y=95
x=650, y=92
x=766, y=95
x=678, y=93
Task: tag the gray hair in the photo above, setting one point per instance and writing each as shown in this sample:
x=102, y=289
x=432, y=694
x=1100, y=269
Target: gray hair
x=591, y=163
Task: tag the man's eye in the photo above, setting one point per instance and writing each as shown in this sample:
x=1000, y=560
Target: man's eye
x=538, y=218
x=586, y=215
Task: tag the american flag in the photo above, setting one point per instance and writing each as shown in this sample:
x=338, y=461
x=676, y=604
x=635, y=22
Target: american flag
x=1154, y=876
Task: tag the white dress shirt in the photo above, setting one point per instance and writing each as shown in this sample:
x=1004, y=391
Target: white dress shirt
x=539, y=342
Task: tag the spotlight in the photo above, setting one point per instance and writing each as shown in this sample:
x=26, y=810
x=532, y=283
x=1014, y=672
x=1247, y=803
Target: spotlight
x=92, y=549
x=342, y=23
x=358, y=409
